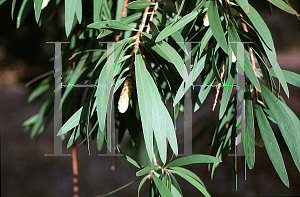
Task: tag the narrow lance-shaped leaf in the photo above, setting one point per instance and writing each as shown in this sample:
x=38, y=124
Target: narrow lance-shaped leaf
x=176, y=26
x=97, y=7
x=244, y=5
x=195, y=183
x=23, y=12
x=37, y=9
x=193, y=159
x=282, y=5
x=79, y=116
x=215, y=25
x=268, y=45
x=70, y=7
x=139, y=4
x=142, y=86
x=192, y=78
x=119, y=188
x=146, y=170
x=271, y=145
x=291, y=77
x=249, y=128
x=78, y=11
x=289, y=129
x=163, y=190
x=171, y=55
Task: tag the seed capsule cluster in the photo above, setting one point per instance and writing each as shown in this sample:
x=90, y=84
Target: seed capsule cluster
x=125, y=95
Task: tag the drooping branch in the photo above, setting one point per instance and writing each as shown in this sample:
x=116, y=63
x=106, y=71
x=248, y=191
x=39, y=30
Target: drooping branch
x=137, y=41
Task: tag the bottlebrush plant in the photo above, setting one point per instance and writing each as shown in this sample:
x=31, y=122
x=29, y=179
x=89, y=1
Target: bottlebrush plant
x=149, y=73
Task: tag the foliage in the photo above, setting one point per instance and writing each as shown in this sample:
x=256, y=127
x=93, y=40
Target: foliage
x=149, y=61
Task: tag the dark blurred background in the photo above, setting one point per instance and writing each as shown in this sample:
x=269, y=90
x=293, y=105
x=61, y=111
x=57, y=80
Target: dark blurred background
x=25, y=171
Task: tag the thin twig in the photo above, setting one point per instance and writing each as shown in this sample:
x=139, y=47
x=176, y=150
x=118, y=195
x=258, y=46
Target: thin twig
x=152, y=15
x=180, y=9
x=218, y=88
x=154, y=158
x=137, y=41
x=75, y=169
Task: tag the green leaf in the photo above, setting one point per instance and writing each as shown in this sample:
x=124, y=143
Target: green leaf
x=23, y=12
x=143, y=89
x=110, y=24
x=163, y=190
x=208, y=34
x=2, y=1
x=173, y=27
x=30, y=121
x=141, y=184
x=195, y=183
x=215, y=25
x=37, y=9
x=100, y=138
x=227, y=89
x=78, y=11
x=119, y=25
x=119, y=188
x=204, y=90
x=249, y=141
x=268, y=45
x=175, y=183
x=129, y=159
x=271, y=145
x=291, y=77
x=79, y=116
x=146, y=170
x=42, y=112
x=12, y=8
x=289, y=129
x=187, y=172
x=70, y=7
x=72, y=137
x=261, y=27
x=282, y=5
x=100, y=94
x=193, y=159
x=273, y=60
x=158, y=117
x=170, y=130
x=97, y=7
x=37, y=92
x=175, y=192
x=244, y=5
x=43, y=87
x=139, y=4
x=193, y=75
x=171, y=55
x=131, y=18
x=250, y=72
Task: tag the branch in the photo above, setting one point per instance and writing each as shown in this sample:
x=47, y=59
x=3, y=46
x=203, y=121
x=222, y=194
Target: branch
x=137, y=41
x=152, y=15
x=75, y=170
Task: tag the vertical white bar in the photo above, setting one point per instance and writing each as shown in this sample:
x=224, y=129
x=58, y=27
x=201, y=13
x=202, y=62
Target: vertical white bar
x=57, y=101
x=188, y=123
